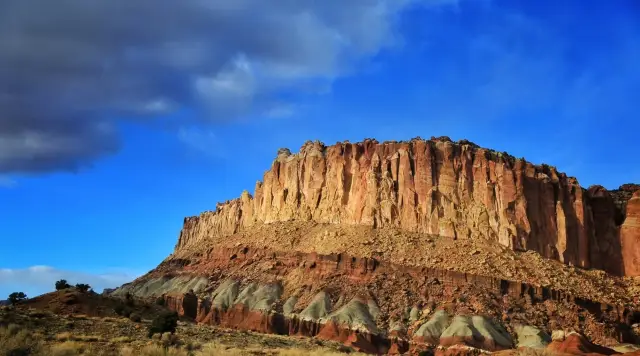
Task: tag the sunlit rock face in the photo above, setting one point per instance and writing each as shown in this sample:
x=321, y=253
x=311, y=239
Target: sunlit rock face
x=440, y=187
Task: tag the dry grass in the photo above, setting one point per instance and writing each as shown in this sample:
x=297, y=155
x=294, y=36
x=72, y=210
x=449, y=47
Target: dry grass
x=68, y=348
x=92, y=337
x=16, y=341
x=153, y=350
x=67, y=336
x=121, y=340
x=213, y=349
x=296, y=352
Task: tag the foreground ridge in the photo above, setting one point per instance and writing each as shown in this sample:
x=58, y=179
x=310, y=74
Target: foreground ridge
x=440, y=187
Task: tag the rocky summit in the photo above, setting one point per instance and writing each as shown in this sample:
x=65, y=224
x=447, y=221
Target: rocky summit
x=402, y=247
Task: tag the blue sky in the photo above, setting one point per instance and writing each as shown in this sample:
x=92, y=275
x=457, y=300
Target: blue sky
x=99, y=192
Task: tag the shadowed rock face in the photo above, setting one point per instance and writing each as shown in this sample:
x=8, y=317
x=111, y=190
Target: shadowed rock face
x=439, y=187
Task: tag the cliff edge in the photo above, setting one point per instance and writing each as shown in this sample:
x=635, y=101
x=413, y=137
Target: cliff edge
x=438, y=187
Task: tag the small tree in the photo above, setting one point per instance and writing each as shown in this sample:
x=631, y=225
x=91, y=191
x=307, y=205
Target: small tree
x=82, y=287
x=62, y=284
x=16, y=297
x=166, y=321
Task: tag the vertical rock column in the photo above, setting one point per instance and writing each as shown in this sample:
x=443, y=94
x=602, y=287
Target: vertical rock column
x=630, y=237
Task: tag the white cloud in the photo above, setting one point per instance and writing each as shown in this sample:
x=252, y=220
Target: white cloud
x=231, y=91
x=36, y=280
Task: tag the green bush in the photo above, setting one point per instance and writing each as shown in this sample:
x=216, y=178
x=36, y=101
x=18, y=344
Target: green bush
x=16, y=297
x=123, y=310
x=62, y=284
x=82, y=287
x=135, y=317
x=166, y=321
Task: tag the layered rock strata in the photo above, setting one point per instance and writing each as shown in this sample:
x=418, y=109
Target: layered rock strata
x=438, y=187
x=370, y=305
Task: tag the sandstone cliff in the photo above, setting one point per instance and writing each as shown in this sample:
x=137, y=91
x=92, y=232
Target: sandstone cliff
x=439, y=187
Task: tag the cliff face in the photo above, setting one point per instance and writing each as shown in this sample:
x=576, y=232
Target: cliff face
x=439, y=187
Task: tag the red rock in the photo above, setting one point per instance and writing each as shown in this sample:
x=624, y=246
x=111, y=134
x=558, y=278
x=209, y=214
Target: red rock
x=363, y=342
x=439, y=187
x=457, y=351
x=630, y=237
x=357, y=271
x=184, y=304
x=576, y=344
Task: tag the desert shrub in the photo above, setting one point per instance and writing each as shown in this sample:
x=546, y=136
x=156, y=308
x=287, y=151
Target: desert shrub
x=135, y=317
x=123, y=310
x=121, y=340
x=192, y=346
x=83, y=287
x=16, y=297
x=67, y=348
x=166, y=321
x=168, y=339
x=65, y=336
x=62, y=284
x=38, y=314
x=13, y=329
x=15, y=341
x=87, y=338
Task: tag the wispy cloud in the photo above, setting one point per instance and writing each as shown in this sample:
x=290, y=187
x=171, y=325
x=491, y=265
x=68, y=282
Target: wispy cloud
x=202, y=141
x=7, y=182
x=279, y=110
x=36, y=280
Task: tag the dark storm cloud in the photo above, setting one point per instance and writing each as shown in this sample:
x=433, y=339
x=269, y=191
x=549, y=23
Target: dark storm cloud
x=69, y=68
